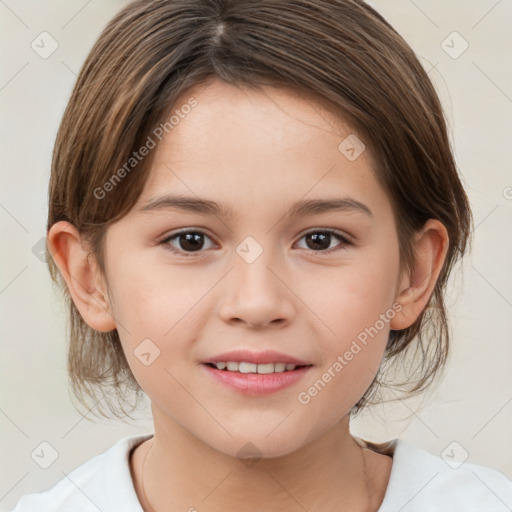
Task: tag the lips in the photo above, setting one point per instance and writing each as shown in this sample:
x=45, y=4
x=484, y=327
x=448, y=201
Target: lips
x=255, y=373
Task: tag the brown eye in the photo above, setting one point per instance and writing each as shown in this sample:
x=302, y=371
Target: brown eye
x=186, y=242
x=321, y=240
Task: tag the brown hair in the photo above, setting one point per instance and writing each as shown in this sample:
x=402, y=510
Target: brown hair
x=340, y=53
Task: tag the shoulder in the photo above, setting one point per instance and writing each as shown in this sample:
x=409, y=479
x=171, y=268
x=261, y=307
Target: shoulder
x=102, y=483
x=420, y=481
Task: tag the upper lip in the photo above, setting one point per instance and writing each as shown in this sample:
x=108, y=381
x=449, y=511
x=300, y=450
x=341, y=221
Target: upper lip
x=249, y=356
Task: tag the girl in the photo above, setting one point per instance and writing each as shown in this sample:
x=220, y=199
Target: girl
x=253, y=212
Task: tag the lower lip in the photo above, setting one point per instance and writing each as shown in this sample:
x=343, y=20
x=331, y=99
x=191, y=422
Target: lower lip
x=255, y=384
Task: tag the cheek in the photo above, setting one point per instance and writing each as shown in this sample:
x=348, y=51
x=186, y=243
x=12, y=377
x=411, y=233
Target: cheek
x=158, y=310
x=153, y=299
x=356, y=304
x=353, y=296
x=357, y=309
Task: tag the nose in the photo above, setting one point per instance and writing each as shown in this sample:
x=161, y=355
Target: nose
x=257, y=294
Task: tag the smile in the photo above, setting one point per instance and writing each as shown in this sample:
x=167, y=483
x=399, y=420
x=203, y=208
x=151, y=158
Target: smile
x=244, y=367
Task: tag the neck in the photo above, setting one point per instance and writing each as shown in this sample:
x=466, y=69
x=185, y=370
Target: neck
x=183, y=473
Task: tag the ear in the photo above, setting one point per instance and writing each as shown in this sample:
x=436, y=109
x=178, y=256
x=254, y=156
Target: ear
x=416, y=286
x=86, y=284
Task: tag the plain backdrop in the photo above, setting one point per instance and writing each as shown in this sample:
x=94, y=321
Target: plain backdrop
x=465, y=45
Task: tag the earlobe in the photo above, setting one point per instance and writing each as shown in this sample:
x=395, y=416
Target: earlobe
x=416, y=287
x=84, y=280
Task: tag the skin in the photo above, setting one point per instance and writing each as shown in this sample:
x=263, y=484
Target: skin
x=256, y=153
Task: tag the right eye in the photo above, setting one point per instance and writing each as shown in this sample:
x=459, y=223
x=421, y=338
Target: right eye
x=185, y=242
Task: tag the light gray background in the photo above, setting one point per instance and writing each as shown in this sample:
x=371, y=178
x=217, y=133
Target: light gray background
x=472, y=406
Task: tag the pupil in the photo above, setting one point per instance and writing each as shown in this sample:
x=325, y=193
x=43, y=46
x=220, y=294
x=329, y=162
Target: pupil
x=191, y=241
x=320, y=240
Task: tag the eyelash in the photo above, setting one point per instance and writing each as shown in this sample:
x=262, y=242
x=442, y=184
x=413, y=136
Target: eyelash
x=343, y=239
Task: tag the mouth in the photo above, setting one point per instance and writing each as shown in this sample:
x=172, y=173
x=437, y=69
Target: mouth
x=263, y=374
x=255, y=373
x=262, y=369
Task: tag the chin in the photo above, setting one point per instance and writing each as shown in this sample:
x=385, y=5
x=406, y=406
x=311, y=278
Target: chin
x=255, y=444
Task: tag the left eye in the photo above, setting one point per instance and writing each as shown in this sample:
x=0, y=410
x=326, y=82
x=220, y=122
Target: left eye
x=319, y=241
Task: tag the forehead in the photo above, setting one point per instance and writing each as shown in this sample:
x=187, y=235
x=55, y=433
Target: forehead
x=256, y=112
x=248, y=146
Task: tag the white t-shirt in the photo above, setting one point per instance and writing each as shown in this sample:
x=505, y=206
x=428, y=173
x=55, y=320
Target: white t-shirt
x=419, y=482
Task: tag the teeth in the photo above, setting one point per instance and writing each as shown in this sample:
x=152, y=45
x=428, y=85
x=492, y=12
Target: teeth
x=247, y=367
x=244, y=367
x=280, y=367
x=266, y=368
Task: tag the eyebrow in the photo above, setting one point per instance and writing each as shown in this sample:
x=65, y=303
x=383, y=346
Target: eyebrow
x=303, y=207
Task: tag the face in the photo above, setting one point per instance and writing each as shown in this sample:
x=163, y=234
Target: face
x=257, y=273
